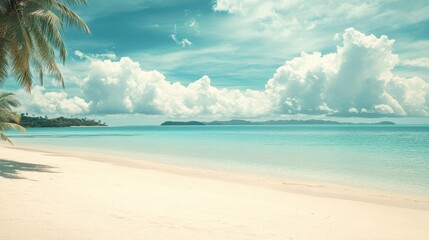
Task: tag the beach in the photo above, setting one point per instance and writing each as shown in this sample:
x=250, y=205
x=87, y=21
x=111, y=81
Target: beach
x=214, y=120
x=66, y=195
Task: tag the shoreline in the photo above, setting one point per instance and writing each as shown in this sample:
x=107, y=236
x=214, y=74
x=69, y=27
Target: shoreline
x=320, y=189
x=61, y=195
x=293, y=155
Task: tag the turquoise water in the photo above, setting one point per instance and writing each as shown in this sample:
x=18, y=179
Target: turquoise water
x=393, y=158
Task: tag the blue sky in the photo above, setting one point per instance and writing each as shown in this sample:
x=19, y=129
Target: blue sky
x=234, y=54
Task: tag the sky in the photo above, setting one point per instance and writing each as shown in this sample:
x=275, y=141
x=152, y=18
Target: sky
x=147, y=61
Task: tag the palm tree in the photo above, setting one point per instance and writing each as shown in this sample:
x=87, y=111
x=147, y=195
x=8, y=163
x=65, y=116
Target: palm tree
x=30, y=35
x=8, y=119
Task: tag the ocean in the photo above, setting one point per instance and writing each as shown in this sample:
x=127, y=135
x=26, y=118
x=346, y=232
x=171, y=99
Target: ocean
x=380, y=157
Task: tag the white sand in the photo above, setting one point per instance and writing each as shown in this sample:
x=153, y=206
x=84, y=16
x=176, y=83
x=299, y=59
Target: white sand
x=86, y=199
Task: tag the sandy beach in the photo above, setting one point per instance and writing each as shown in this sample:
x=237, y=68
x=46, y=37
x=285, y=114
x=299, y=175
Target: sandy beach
x=60, y=195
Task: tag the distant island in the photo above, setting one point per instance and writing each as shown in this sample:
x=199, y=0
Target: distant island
x=270, y=122
x=40, y=122
x=169, y=123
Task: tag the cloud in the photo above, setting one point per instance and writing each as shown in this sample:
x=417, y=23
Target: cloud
x=123, y=87
x=356, y=80
x=79, y=54
x=193, y=24
x=418, y=62
x=107, y=55
x=184, y=42
x=43, y=102
x=261, y=19
x=284, y=18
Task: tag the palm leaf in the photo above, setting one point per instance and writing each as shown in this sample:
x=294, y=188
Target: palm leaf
x=70, y=17
x=5, y=138
x=3, y=59
x=9, y=120
x=8, y=100
x=30, y=37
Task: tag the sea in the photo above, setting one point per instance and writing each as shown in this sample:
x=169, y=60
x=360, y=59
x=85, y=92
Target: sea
x=379, y=157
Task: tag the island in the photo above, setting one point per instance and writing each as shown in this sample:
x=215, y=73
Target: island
x=270, y=122
x=40, y=122
x=171, y=123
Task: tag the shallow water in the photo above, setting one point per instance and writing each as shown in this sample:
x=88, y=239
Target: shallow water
x=392, y=158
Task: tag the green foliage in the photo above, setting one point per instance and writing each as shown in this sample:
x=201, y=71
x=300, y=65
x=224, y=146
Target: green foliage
x=8, y=119
x=30, y=36
x=33, y=122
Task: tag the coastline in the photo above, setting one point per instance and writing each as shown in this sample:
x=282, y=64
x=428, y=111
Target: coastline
x=312, y=188
x=145, y=198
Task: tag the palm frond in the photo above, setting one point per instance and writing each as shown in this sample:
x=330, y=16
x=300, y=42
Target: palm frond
x=37, y=63
x=19, y=48
x=30, y=37
x=43, y=55
x=70, y=17
x=11, y=126
x=9, y=116
x=3, y=59
x=45, y=28
x=9, y=120
x=4, y=6
x=5, y=138
x=8, y=100
x=21, y=66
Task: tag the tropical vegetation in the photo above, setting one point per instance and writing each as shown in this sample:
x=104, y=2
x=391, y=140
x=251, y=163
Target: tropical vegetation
x=30, y=33
x=8, y=118
x=30, y=39
x=39, y=122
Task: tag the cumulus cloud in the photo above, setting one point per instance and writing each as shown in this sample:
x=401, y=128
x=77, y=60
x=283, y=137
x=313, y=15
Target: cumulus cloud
x=123, y=87
x=356, y=80
x=44, y=102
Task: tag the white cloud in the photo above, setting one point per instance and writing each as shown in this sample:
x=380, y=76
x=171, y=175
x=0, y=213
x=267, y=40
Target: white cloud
x=247, y=7
x=184, y=42
x=79, y=54
x=284, y=18
x=355, y=80
x=268, y=29
x=43, y=102
x=193, y=24
x=107, y=55
x=123, y=87
x=418, y=62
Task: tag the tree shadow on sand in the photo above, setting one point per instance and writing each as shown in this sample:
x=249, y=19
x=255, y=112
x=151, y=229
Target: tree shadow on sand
x=11, y=169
